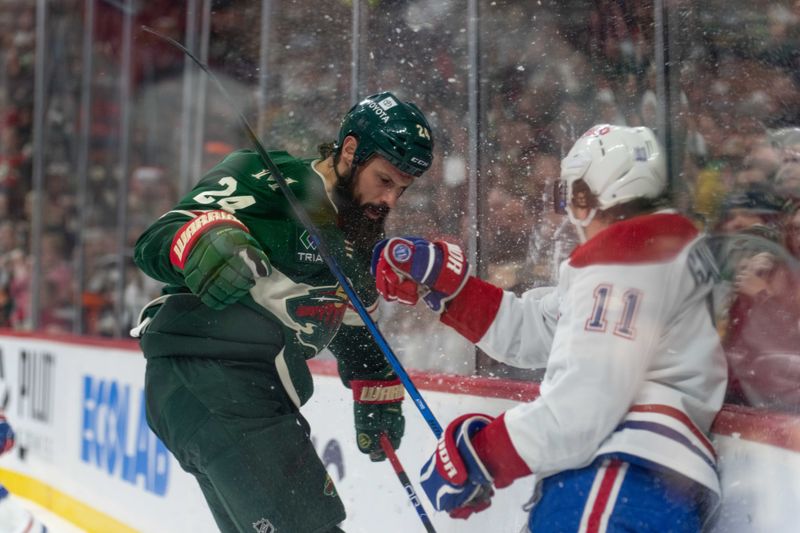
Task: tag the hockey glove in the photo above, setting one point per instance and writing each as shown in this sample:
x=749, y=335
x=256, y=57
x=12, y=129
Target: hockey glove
x=454, y=478
x=219, y=259
x=404, y=267
x=6, y=435
x=377, y=408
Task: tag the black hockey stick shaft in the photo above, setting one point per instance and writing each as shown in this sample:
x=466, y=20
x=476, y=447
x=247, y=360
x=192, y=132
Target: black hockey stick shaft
x=388, y=449
x=312, y=230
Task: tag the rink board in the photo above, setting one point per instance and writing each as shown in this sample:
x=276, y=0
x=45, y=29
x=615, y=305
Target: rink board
x=84, y=451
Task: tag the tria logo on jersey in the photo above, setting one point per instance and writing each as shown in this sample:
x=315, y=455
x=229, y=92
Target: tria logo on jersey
x=308, y=253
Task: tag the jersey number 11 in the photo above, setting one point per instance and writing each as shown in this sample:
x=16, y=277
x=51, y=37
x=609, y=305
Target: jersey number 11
x=624, y=327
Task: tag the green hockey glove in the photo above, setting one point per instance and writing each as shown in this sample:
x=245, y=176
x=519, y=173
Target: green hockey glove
x=377, y=408
x=219, y=259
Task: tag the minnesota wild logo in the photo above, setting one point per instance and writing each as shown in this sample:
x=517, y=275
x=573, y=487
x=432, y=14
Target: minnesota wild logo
x=318, y=314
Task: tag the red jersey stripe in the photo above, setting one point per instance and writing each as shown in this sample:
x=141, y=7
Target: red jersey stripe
x=680, y=416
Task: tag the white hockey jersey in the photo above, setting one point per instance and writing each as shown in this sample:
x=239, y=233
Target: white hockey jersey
x=634, y=363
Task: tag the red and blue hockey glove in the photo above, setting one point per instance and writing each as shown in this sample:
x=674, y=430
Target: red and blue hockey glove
x=403, y=265
x=219, y=259
x=377, y=409
x=6, y=435
x=455, y=478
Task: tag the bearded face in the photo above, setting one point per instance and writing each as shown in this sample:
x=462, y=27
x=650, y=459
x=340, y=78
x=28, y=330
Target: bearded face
x=361, y=221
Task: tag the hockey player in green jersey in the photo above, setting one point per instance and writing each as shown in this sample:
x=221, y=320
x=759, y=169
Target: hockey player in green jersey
x=248, y=300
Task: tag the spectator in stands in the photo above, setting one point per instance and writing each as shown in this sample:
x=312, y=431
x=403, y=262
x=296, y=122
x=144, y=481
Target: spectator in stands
x=761, y=317
x=57, y=295
x=19, y=288
x=7, y=244
x=764, y=156
x=100, y=281
x=14, y=164
x=755, y=207
x=792, y=230
x=12, y=268
x=763, y=338
x=750, y=174
x=787, y=179
x=506, y=241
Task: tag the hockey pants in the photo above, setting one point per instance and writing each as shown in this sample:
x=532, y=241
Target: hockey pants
x=613, y=495
x=231, y=425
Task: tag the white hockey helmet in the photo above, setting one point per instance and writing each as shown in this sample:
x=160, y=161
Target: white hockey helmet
x=618, y=163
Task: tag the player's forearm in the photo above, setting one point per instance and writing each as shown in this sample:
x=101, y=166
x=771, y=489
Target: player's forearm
x=514, y=330
x=473, y=311
x=522, y=332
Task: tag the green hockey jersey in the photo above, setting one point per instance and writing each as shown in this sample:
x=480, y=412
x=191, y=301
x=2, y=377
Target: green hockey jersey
x=292, y=314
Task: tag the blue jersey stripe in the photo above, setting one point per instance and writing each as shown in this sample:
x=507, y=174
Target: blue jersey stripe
x=666, y=431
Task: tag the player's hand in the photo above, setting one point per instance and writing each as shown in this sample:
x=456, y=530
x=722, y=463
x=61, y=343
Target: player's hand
x=405, y=267
x=219, y=259
x=755, y=275
x=454, y=478
x=377, y=408
x=6, y=435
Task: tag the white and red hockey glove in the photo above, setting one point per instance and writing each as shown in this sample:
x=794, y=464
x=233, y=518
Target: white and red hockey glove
x=407, y=267
x=473, y=456
x=454, y=478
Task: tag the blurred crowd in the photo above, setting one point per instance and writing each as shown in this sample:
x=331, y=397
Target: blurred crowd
x=548, y=71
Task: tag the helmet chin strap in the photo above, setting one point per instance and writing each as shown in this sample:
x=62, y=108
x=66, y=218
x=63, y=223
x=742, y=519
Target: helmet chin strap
x=580, y=225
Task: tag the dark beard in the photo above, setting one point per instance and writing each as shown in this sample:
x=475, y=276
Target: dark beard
x=362, y=231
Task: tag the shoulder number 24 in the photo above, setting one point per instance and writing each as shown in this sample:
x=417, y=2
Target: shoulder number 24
x=223, y=197
x=624, y=327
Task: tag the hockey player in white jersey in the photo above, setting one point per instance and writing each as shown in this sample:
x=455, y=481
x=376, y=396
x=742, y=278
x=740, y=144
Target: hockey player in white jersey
x=618, y=439
x=13, y=517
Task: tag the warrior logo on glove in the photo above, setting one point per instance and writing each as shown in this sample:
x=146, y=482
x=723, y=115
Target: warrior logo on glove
x=219, y=258
x=377, y=409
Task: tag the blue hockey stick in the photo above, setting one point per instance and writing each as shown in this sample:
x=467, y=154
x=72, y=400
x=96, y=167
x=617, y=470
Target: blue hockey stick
x=312, y=230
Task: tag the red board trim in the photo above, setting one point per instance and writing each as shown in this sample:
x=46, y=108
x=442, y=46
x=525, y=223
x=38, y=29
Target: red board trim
x=747, y=423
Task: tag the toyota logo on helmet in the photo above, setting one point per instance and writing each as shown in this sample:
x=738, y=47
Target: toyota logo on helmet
x=391, y=128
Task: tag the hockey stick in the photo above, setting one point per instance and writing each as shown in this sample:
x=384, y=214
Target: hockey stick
x=388, y=449
x=312, y=230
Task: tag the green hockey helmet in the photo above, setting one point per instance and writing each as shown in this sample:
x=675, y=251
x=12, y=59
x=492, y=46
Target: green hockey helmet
x=391, y=128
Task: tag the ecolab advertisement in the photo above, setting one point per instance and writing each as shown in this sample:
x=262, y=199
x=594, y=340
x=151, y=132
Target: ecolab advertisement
x=84, y=450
